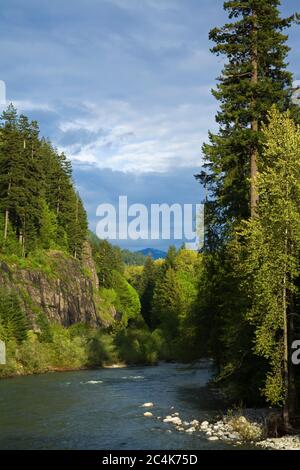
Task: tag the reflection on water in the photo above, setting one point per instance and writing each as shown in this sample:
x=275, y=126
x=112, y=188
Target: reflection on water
x=101, y=409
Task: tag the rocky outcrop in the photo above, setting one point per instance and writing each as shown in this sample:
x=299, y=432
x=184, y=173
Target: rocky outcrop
x=89, y=264
x=61, y=287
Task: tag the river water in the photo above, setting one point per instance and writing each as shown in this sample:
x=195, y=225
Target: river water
x=101, y=409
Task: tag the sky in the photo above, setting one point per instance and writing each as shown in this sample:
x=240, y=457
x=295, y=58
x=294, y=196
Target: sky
x=123, y=88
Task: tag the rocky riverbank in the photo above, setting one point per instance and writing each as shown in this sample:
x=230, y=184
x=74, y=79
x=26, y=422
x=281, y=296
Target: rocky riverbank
x=235, y=428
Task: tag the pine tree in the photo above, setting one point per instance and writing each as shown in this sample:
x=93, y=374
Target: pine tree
x=148, y=284
x=108, y=259
x=167, y=304
x=36, y=191
x=253, y=79
x=12, y=319
x=32, y=186
x=11, y=170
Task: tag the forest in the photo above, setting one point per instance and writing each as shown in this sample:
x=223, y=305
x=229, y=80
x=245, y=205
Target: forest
x=238, y=300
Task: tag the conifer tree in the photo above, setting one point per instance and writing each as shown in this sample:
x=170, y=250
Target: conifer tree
x=36, y=191
x=148, y=284
x=12, y=319
x=253, y=79
x=11, y=169
x=167, y=303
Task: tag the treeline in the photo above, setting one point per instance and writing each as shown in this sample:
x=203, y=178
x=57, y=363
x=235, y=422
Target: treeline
x=168, y=294
x=156, y=303
x=39, y=206
x=248, y=299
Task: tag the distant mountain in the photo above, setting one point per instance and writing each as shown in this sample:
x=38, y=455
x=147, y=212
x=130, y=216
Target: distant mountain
x=155, y=254
x=133, y=258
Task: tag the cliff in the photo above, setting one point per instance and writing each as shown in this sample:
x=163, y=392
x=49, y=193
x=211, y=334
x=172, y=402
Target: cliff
x=61, y=287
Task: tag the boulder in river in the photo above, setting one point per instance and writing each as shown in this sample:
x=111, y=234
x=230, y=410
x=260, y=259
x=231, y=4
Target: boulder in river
x=190, y=430
x=173, y=419
x=204, y=425
x=213, y=438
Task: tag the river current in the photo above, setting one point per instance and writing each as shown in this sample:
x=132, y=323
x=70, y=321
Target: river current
x=101, y=409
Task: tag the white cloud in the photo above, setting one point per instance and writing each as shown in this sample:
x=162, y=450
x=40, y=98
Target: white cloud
x=28, y=105
x=131, y=140
x=160, y=5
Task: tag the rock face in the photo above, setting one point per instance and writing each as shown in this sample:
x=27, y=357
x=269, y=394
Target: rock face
x=61, y=287
x=88, y=263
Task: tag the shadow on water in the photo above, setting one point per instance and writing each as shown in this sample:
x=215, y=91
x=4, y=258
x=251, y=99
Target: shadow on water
x=101, y=409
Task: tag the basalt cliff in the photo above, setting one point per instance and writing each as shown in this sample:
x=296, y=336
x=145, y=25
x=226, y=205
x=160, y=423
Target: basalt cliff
x=65, y=289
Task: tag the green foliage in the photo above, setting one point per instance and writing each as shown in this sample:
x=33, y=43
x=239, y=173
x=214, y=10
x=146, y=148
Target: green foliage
x=137, y=346
x=48, y=230
x=255, y=33
x=102, y=350
x=168, y=303
x=45, y=335
x=12, y=319
x=146, y=289
x=38, y=204
x=238, y=302
x=108, y=259
x=134, y=275
x=133, y=258
x=127, y=302
x=273, y=246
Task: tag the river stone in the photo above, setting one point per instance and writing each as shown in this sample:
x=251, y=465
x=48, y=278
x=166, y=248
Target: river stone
x=173, y=419
x=194, y=422
x=204, y=425
x=148, y=405
x=190, y=430
x=213, y=438
x=148, y=414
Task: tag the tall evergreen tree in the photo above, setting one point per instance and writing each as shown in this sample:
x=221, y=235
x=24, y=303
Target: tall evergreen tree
x=32, y=186
x=253, y=79
x=148, y=284
x=13, y=321
x=11, y=169
x=167, y=304
x=36, y=191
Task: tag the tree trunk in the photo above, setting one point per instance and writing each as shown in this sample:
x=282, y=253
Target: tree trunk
x=286, y=408
x=254, y=123
x=287, y=383
x=292, y=378
x=75, y=251
x=7, y=214
x=58, y=201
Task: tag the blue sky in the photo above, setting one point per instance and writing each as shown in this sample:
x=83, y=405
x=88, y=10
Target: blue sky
x=123, y=87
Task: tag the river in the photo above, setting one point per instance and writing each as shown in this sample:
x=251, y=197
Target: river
x=101, y=409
